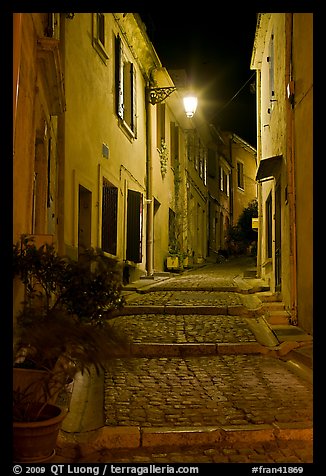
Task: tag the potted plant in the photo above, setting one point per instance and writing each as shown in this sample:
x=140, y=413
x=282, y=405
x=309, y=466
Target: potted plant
x=61, y=329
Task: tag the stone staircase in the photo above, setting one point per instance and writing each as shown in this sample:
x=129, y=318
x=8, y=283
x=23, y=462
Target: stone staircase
x=275, y=312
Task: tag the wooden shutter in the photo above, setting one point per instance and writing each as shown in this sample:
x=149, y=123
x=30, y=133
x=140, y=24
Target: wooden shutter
x=109, y=218
x=134, y=226
x=133, y=99
x=119, y=77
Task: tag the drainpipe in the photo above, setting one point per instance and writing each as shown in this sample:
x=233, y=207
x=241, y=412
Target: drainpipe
x=17, y=42
x=291, y=175
x=259, y=185
x=232, y=177
x=61, y=156
x=149, y=188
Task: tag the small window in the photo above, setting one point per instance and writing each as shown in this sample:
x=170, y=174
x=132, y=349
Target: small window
x=205, y=168
x=270, y=60
x=125, y=86
x=240, y=175
x=100, y=28
x=224, y=181
x=99, y=35
x=197, y=152
x=201, y=163
x=221, y=179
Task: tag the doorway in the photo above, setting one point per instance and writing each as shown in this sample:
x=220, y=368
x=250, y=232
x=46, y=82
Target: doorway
x=278, y=256
x=84, y=219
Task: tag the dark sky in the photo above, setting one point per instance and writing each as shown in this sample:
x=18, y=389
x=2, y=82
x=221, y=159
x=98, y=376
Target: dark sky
x=215, y=50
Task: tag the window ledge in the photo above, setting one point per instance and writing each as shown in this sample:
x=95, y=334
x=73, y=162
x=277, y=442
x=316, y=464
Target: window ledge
x=100, y=50
x=126, y=129
x=267, y=262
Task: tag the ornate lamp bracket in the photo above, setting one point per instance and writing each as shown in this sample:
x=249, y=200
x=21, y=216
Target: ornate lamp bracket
x=157, y=95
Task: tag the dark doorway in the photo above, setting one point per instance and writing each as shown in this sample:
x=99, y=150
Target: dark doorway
x=109, y=217
x=134, y=226
x=278, y=256
x=84, y=220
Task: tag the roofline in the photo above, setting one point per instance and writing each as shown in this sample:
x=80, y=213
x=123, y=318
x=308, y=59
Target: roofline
x=260, y=35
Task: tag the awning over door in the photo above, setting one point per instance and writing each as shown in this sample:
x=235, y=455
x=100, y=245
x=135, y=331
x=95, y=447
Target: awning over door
x=269, y=168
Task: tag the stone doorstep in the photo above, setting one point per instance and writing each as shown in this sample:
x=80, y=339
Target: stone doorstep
x=134, y=437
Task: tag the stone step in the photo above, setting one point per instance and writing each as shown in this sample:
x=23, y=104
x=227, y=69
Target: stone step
x=277, y=317
x=273, y=306
x=269, y=296
x=250, y=273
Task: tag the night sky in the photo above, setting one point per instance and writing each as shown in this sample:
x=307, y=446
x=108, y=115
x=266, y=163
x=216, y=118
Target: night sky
x=215, y=50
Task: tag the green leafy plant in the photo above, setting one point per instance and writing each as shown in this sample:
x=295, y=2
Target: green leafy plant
x=63, y=326
x=242, y=235
x=164, y=157
x=89, y=288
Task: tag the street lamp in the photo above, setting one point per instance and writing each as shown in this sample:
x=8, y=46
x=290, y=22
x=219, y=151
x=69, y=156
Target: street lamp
x=190, y=105
x=157, y=95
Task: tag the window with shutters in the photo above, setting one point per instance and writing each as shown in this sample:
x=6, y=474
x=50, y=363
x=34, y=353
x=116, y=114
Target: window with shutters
x=201, y=162
x=270, y=60
x=134, y=226
x=99, y=35
x=221, y=179
x=197, y=152
x=125, y=87
x=205, y=167
x=109, y=217
x=270, y=100
x=240, y=177
x=225, y=181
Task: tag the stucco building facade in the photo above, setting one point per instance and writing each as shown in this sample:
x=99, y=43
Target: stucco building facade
x=231, y=184
x=283, y=58
x=97, y=163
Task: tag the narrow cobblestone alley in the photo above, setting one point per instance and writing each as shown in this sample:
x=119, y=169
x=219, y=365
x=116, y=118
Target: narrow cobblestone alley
x=208, y=379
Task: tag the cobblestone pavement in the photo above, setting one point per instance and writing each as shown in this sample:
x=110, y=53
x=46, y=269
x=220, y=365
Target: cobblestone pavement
x=227, y=276
x=184, y=329
x=177, y=298
x=219, y=390
x=231, y=391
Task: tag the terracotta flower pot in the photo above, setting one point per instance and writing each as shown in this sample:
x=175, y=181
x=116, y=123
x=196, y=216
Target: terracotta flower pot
x=36, y=441
x=30, y=380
